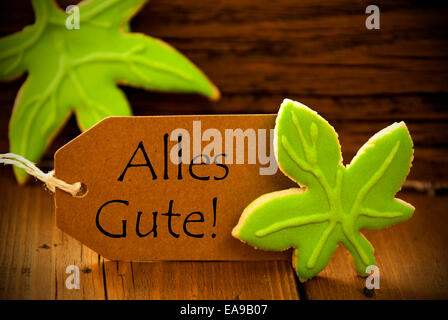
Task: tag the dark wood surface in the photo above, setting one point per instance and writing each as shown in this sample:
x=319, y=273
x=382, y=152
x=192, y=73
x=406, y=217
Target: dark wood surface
x=34, y=255
x=257, y=53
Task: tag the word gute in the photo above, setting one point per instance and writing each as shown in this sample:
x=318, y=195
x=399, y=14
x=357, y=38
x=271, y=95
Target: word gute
x=190, y=218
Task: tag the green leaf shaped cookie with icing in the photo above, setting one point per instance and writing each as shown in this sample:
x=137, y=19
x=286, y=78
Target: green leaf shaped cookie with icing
x=78, y=70
x=334, y=201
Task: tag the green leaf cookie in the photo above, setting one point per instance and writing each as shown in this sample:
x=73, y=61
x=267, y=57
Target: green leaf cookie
x=78, y=70
x=334, y=201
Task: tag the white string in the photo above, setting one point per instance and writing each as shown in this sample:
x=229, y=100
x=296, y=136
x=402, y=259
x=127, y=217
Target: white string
x=48, y=178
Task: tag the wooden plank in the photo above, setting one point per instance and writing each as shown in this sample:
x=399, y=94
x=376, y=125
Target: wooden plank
x=308, y=48
x=71, y=252
x=272, y=280
x=412, y=257
x=34, y=256
x=26, y=231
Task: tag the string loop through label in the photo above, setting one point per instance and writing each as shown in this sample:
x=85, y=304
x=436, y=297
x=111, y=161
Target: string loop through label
x=75, y=189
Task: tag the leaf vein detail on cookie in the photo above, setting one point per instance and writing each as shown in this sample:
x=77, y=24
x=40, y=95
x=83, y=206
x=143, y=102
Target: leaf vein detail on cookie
x=334, y=201
x=78, y=70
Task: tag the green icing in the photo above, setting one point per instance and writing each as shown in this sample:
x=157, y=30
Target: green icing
x=335, y=201
x=78, y=70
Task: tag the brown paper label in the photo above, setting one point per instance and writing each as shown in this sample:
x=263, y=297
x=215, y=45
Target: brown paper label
x=168, y=187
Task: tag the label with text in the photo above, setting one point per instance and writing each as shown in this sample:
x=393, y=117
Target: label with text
x=168, y=187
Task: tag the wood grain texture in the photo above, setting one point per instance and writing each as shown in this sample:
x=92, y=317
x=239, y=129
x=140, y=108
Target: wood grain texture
x=26, y=231
x=34, y=255
x=316, y=52
x=201, y=280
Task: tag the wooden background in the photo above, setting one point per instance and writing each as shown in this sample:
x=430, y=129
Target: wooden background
x=257, y=53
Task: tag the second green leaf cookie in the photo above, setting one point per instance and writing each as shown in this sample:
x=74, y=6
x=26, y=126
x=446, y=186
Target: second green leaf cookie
x=334, y=201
